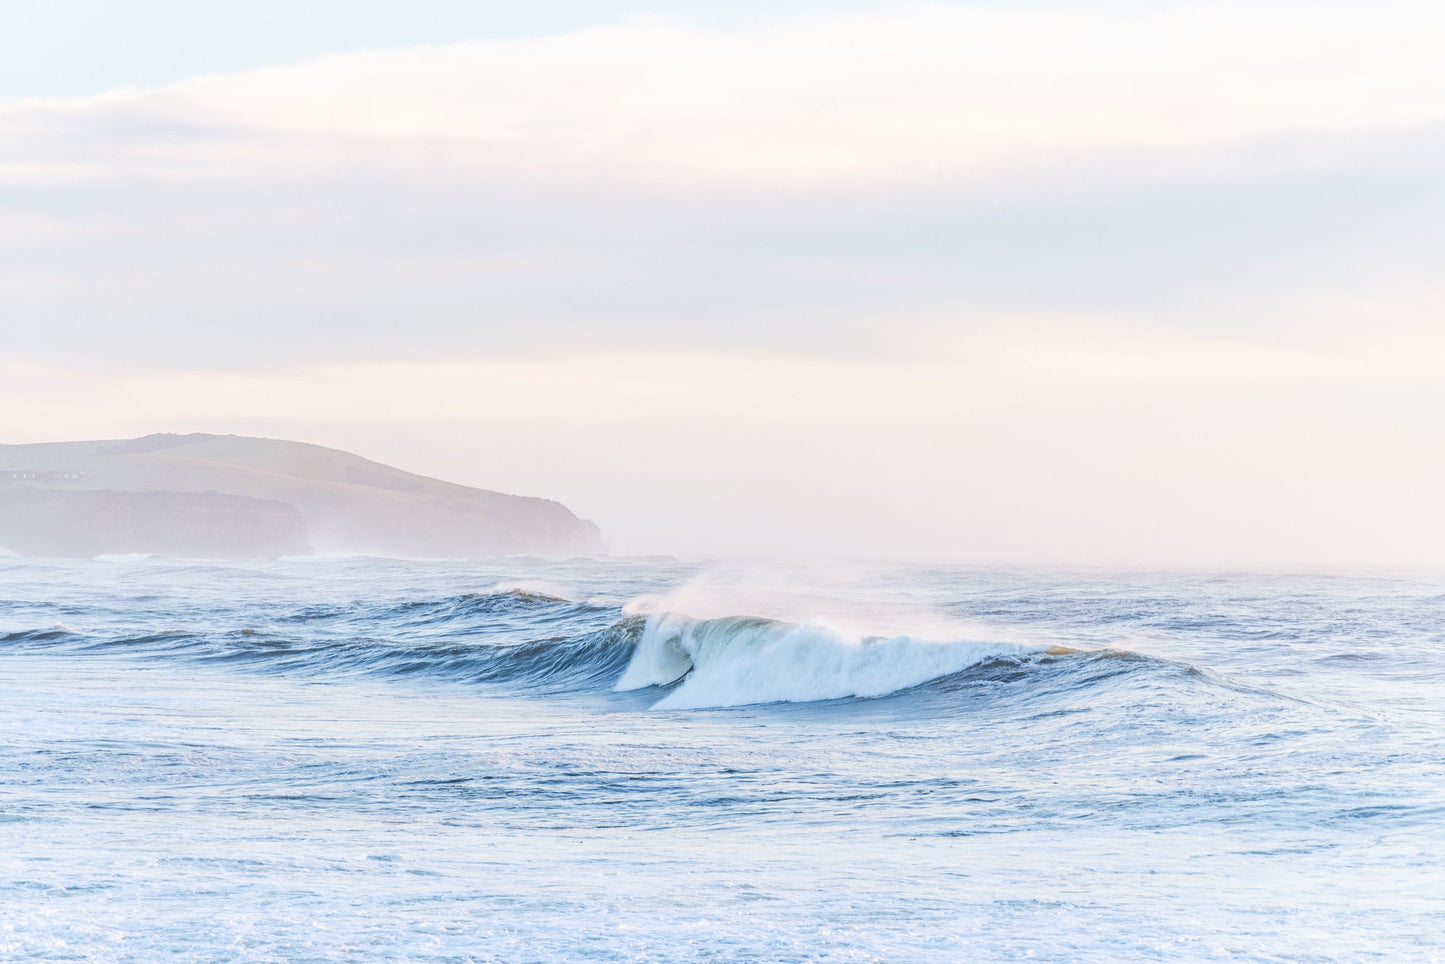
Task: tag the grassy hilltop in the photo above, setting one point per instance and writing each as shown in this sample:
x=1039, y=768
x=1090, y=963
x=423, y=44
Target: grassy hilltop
x=235, y=496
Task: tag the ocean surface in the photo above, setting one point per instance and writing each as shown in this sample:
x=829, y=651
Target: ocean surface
x=516, y=760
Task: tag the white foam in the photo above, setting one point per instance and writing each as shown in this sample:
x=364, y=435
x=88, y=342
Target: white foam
x=535, y=588
x=735, y=661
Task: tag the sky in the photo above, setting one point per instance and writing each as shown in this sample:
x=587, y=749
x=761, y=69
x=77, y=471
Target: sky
x=1075, y=283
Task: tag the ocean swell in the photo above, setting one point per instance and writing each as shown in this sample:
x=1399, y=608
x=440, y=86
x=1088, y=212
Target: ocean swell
x=534, y=641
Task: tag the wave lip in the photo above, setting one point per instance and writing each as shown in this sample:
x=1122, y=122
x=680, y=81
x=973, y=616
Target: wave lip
x=738, y=661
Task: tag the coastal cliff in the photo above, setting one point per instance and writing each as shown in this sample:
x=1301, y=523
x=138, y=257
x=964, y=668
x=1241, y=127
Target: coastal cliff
x=228, y=496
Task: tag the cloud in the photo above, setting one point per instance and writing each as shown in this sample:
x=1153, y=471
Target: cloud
x=936, y=93
x=824, y=186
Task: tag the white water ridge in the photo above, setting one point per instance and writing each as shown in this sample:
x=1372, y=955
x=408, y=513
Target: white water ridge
x=738, y=661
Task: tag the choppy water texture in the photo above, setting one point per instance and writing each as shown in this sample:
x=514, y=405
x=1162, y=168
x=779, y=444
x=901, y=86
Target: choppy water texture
x=528, y=761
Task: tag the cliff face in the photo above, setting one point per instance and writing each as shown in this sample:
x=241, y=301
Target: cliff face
x=237, y=497
x=38, y=522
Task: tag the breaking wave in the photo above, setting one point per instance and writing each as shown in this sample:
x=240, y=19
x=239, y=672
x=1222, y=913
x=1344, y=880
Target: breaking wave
x=736, y=661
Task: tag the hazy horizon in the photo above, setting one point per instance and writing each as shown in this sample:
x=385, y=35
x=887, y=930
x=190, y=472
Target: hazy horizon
x=1059, y=284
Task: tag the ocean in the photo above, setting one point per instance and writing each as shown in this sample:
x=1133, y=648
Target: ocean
x=642, y=760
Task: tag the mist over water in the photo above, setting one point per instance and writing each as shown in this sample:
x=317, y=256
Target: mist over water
x=615, y=760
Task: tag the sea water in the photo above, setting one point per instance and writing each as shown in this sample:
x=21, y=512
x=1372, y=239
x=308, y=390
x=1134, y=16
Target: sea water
x=517, y=760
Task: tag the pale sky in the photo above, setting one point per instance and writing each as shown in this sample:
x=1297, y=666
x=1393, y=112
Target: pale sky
x=1114, y=283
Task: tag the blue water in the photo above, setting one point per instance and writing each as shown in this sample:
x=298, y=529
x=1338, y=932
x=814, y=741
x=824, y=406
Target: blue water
x=526, y=761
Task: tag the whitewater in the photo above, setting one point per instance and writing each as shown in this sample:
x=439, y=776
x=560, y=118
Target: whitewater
x=625, y=760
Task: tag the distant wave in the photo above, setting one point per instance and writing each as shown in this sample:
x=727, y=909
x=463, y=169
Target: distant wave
x=464, y=613
x=586, y=661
